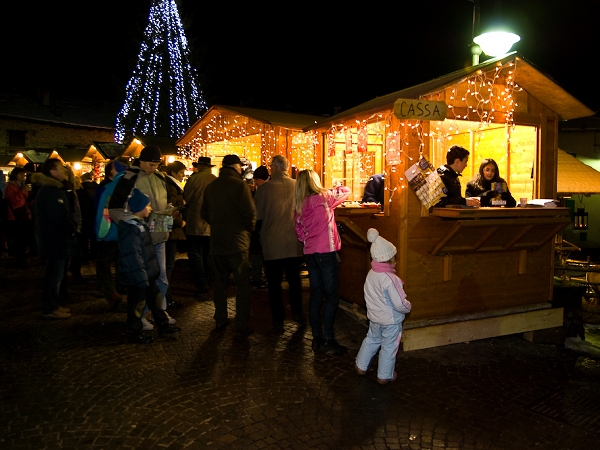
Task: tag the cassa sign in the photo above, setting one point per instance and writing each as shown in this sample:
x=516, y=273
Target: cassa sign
x=419, y=109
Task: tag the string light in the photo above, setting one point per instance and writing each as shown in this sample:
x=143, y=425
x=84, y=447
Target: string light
x=162, y=96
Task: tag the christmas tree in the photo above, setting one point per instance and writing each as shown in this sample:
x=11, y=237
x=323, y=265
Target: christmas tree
x=162, y=96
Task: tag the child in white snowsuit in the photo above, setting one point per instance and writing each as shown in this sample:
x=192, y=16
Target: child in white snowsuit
x=386, y=307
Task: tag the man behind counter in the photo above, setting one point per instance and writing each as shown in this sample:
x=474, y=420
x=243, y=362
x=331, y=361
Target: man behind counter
x=456, y=161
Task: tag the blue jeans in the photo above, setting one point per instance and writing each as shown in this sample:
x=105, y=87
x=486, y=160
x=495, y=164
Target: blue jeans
x=53, y=278
x=388, y=338
x=324, y=277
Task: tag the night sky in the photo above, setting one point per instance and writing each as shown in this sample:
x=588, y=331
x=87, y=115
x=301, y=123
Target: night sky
x=308, y=58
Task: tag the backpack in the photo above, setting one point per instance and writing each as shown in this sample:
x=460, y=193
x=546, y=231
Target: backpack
x=106, y=229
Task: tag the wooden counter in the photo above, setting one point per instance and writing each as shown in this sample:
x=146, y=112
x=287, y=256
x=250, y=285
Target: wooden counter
x=460, y=263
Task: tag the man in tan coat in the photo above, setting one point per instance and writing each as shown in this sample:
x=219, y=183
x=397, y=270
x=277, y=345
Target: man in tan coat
x=282, y=251
x=197, y=229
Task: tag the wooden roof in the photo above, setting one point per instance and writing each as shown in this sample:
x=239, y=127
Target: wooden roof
x=274, y=118
x=526, y=75
x=576, y=177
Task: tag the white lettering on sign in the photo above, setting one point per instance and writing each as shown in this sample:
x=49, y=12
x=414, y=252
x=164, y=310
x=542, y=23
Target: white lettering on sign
x=419, y=109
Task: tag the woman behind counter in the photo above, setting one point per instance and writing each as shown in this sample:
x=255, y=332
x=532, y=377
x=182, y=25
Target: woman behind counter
x=482, y=187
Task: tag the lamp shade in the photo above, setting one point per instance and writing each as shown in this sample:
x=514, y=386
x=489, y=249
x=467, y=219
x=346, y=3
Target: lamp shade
x=496, y=43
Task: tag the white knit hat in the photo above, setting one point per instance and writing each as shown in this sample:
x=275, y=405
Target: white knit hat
x=381, y=250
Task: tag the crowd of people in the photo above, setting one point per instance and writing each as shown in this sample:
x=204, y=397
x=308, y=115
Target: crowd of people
x=258, y=227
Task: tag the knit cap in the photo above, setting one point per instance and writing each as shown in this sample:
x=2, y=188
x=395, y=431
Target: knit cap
x=381, y=249
x=137, y=201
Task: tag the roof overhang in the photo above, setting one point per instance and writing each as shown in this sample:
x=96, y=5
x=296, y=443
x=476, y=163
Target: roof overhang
x=575, y=177
x=274, y=118
x=526, y=75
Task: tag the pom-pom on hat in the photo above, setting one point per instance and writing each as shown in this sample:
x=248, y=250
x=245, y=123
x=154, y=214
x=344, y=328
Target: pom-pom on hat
x=137, y=201
x=151, y=153
x=381, y=249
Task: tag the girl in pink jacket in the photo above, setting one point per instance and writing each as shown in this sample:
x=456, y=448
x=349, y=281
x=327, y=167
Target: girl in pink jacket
x=317, y=230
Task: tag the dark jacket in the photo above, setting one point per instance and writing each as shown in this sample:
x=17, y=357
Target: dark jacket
x=483, y=190
x=137, y=258
x=55, y=227
x=229, y=209
x=175, y=198
x=374, y=189
x=452, y=187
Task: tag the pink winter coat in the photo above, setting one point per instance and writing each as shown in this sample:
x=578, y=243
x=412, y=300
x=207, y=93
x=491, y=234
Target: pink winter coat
x=315, y=226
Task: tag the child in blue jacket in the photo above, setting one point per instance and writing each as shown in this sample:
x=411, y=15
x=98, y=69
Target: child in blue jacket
x=139, y=268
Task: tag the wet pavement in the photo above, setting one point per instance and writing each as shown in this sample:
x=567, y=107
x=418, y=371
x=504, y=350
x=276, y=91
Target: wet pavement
x=79, y=384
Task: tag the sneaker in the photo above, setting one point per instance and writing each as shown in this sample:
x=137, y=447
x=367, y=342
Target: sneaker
x=58, y=314
x=147, y=326
x=171, y=320
x=391, y=380
x=64, y=309
x=331, y=346
x=359, y=371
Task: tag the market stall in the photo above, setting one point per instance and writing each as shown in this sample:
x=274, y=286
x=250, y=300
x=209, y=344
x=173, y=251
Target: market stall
x=469, y=273
x=255, y=134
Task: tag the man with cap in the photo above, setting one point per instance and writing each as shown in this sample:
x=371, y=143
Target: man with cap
x=229, y=209
x=197, y=229
x=143, y=174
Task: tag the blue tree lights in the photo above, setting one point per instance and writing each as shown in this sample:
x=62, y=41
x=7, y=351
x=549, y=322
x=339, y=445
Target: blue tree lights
x=162, y=96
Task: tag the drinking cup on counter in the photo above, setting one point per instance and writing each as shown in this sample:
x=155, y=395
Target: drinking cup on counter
x=523, y=202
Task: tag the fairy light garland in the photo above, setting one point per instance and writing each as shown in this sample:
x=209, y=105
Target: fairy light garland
x=233, y=133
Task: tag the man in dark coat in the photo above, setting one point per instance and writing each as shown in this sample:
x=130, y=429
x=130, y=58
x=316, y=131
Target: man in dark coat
x=55, y=232
x=229, y=209
x=456, y=161
x=374, y=189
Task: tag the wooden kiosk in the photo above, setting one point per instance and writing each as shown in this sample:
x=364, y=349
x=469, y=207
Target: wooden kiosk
x=470, y=273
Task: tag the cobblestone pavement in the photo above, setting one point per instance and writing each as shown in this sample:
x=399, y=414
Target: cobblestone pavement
x=79, y=384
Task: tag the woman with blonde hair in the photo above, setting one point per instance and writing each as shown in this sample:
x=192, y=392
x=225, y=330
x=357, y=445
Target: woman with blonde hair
x=316, y=228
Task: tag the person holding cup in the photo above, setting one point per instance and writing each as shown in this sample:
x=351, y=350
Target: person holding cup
x=486, y=183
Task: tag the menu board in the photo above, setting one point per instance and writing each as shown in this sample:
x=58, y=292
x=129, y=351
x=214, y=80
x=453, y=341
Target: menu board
x=426, y=182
